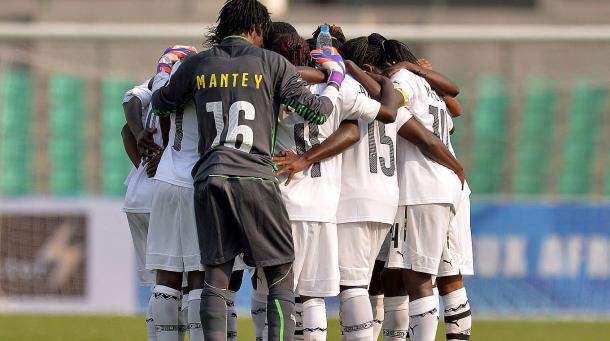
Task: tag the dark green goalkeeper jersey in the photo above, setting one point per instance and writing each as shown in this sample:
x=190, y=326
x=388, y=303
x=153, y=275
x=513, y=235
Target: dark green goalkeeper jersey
x=237, y=89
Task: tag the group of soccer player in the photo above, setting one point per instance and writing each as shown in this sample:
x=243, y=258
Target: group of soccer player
x=322, y=174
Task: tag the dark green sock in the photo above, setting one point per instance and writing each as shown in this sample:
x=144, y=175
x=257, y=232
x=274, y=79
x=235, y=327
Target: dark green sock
x=214, y=314
x=280, y=314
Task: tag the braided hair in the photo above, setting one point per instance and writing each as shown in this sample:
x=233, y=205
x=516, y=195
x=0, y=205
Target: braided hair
x=275, y=29
x=393, y=51
x=292, y=47
x=361, y=52
x=376, y=50
x=238, y=17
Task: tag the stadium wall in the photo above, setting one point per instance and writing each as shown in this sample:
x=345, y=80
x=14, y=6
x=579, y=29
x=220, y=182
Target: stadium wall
x=66, y=256
x=531, y=259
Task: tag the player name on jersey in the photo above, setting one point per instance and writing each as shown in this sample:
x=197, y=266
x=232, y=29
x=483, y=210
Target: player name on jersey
x=229, y=80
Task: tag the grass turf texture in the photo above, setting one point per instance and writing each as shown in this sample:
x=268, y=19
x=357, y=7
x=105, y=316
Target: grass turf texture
x=101, y=328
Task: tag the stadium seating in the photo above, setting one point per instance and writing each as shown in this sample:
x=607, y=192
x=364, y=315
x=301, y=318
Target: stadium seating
x=15, y=140
x=115, y=164
x=535, y=138
x=489, y=133
x=481, y=137
x=67, y=115
x=584, y=119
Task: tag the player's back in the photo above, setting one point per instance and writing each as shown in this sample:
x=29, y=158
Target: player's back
x=320, y=184
x=139, y=186
x=424, y=103
x=421, y=180
x=181, y=153
x=369, y=190
x=236, y=89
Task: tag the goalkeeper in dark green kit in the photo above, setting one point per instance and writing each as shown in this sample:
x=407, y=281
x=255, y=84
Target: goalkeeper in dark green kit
x=237, y=88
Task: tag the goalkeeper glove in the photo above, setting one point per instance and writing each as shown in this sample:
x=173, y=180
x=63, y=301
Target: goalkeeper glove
x=173, y=54
x=332, y=63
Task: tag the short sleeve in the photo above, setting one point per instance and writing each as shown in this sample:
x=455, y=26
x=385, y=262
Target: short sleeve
x=356, y=103
x=141, y=92
x=404, y=81
x=402, y=116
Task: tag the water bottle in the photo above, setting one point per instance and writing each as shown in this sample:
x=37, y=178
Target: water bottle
x=325, y=41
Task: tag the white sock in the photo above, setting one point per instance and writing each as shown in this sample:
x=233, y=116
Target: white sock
x=194, y=317
x=231, y=316
x=314, y=320
x=423, y=315
x=165, y=310
x=150, y=322
x=183, y=317
x=436, y=293
x=298, y=314
x=396, y=319
x=377, y=307
x=356, y=314
x=258, y=311
x=458, y=319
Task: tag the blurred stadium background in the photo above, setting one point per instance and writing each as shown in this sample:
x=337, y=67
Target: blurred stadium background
x=534, y=138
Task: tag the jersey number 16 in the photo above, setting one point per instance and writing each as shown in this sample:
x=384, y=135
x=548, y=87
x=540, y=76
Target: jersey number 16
x=234, y=129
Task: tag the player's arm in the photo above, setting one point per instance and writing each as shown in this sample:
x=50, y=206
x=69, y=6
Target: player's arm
x=430, y=145
x=169, y=96
x=344, y=137
x=294, y=93
x=454, y=107
x=436, y=80
x=311, y=75
x=133, y=115
x=383, y=90
x=370, y=85
x=131, y=146
x=144, y=137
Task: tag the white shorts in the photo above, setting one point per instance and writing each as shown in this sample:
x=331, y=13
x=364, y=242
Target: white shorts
x=138, y=225
x=359, y=245
x=385, y=247
x=419, y=238
x=459, y=246
x=316, y=263
x=172, y=237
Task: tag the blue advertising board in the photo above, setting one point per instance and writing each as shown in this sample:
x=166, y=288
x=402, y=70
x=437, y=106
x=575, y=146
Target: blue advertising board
x=531, y=259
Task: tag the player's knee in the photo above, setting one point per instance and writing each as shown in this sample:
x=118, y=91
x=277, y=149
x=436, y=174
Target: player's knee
x=217, y=276
x=195, y=280
x=449, y=284
x=394, y=282
x=280, y=276
x=169, y=279
x=419, y=284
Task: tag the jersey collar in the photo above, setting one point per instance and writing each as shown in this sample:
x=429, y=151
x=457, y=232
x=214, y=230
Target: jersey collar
x=237, y=37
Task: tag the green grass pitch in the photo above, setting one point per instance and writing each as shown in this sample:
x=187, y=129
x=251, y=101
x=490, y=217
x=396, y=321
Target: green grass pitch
x=102, y=328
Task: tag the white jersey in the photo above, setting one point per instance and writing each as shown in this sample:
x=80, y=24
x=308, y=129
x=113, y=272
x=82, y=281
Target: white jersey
x=369, y=187
x=181, y=154
x=421, y=180
x=313, y=195
x=138, y=197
